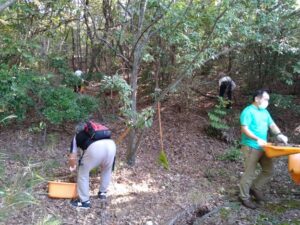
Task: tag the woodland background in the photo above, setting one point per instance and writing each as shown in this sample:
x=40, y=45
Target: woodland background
x=136, y=55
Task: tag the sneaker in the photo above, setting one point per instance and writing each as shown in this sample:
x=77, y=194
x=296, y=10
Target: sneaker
x=257, y=195
x=249, y=204
x=78, y=203
x=102, y=195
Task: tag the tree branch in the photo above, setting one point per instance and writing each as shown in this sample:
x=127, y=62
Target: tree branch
x=6, y=4
x=104, y=41
x=148, y=27
x=183, y=75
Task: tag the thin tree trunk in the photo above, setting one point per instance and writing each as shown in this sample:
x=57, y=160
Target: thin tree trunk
x=137, y=54
x=73, y=50
x=6, y=4
x=79, y=49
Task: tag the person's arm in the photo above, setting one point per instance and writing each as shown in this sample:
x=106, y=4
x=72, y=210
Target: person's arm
x=280, y=137
x=249, y=134
x=233, y=85
x=275, y=129
x=73, y=155
x=220, y=82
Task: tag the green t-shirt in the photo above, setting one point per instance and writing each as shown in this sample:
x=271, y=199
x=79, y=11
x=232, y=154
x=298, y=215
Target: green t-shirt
x=258, y=122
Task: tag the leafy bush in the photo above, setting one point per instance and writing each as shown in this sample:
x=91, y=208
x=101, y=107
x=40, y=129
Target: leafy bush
x=70, y=79
x=23, y=90
x=62, y=104
x=14, y=87
x=216, y=116
x=232, y=154
x=58, y=62
x=279, y=102
x=118, y=84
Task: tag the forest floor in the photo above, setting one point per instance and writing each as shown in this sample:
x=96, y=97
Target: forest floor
x=200, y=186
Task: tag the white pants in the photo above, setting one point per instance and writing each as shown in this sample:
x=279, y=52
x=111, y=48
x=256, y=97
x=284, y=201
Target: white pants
x=100, y=153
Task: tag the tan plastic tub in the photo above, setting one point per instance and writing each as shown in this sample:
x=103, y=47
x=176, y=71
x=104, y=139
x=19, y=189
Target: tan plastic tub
x=62, y=190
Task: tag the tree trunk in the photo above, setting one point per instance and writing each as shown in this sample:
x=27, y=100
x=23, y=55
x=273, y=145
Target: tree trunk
x=79, y=49
x=131, y=151
x=6, y=4
x=73, y=50
x=137, y=54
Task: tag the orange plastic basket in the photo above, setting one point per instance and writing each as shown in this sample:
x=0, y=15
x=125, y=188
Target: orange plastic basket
x=277, y=151
x=294, y=163
x=62, y=190
x=295, y=178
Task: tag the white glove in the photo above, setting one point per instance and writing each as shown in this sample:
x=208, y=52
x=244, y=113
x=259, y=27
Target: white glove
x=261, y=142
x=282, y=138
x=72, y=168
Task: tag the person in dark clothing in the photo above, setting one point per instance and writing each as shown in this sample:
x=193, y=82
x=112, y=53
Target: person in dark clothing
x=226, y=85
x=78, y=87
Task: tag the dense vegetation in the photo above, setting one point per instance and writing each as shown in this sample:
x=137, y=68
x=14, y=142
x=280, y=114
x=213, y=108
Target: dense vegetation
x=140, y=49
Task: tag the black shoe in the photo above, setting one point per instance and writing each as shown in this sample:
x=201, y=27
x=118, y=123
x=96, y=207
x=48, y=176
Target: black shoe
x=249, y=204
x=258, y=196
x=78, y=203
x=102, y=195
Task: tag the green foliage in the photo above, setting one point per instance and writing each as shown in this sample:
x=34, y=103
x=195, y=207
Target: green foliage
x=297, y=67
x=70, y=79
x=117, y=84
x=37, y=128
x=217, y=114
x=62, y=104
x=24, y=90
x=163, y=159
x=145, y=118
x=16, y=190
x=49, y=220
x=8, y=118
x=280, y=102
x=14, y=87
x=58, y=62
x=232, y=154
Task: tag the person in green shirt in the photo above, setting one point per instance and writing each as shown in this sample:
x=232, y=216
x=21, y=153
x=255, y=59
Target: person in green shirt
x=255, y=122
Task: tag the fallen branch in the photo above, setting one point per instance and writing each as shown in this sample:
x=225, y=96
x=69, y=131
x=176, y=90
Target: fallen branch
x=194, y=209
x=205, y=95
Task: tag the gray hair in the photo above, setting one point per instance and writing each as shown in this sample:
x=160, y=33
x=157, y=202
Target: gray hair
x=79, y=127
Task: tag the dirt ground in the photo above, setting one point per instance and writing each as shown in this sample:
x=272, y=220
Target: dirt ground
x=199, y=188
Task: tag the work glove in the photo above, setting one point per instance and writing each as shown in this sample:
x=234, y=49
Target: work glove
x=261, y=142
x=282, y=138
x=72, y=162
x=72, y=169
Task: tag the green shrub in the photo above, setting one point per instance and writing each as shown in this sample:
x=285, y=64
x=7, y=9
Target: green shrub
x=217, y=123
x=232, y=154
x=117, y=84
x=23, y=90
x=217, y=114
x=14, y=88
x=62, y=104
x=70, y=79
